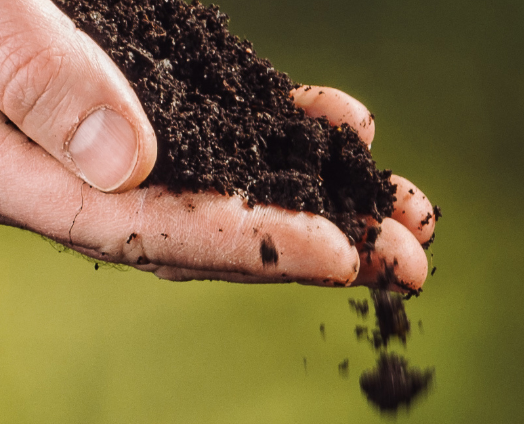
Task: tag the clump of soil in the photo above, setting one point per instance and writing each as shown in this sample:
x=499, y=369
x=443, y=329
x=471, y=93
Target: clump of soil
x=391, y=316
x=392, y=383
x=392, y=320
x=224, y=118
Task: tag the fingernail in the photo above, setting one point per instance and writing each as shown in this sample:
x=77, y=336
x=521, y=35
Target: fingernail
x=104, y=149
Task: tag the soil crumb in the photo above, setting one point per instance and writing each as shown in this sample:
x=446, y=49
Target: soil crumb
x=391, y=316
x=322, y=329
x=392, y=383
x=343, y=368
x=361, y=307
x=224, y=118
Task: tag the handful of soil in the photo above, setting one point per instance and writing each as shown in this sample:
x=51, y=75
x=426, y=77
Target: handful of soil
x=225, y=121
x=224, y=118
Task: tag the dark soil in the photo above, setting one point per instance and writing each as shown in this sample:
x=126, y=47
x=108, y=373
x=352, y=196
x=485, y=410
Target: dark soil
x=391, y=316
x=343, y=368
x=224, y=118
x=360, y=307
x=392, y=383
x=391, y=319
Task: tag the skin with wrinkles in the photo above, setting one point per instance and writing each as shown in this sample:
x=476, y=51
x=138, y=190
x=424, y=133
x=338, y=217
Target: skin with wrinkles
x=48, y=87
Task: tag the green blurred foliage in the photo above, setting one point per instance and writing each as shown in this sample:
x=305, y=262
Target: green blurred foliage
x=445, y=81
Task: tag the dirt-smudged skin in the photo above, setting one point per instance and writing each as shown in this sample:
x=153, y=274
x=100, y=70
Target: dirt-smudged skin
x=224, y=118
x=268, y=251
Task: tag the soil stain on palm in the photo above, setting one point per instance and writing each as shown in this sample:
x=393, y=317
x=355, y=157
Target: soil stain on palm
x=268, y=251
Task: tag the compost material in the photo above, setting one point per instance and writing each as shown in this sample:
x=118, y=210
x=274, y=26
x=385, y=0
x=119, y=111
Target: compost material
x=224, y=118
x=393, y=383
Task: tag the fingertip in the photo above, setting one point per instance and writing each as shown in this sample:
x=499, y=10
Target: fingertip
x=396, y=248
x=65, y=93
x=413, y=209
x=110, y=152
x=146, y=159
x=338, y=107
x=314, y=250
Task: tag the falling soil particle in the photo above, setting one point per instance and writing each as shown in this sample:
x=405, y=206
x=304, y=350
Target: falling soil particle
x=343, y=368
x=437, y=212
x=391, y=316
x=224, y=118
x=361, y=307
x=361, y=331
x=392, y=383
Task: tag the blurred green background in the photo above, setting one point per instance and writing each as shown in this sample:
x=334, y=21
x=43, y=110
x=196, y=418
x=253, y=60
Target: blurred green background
x=446, y=83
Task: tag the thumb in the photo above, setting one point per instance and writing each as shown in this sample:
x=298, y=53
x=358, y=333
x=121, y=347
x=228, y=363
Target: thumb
x=66, y=94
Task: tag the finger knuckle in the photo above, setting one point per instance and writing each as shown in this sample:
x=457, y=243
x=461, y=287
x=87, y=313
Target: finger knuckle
x=26, y=81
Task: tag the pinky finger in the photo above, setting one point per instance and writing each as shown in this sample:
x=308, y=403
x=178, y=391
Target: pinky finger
x=413, y=209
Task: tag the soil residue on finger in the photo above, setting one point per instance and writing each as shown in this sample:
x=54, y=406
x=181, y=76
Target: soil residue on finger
x=268, y=251
x=224, y=118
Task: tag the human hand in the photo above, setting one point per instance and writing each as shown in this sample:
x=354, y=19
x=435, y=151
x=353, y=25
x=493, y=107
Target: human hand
x=53, y=77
